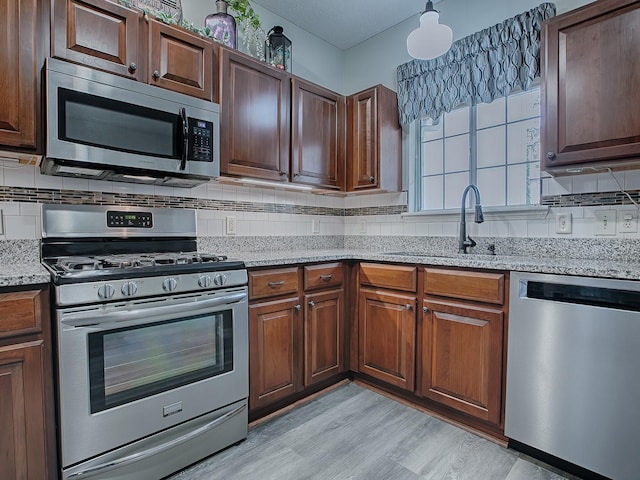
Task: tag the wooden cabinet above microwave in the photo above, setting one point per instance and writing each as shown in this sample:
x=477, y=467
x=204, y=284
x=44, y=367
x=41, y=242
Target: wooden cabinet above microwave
x=108, y=36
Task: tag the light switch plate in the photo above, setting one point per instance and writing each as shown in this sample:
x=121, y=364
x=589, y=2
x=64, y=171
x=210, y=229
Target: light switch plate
x=315, y=226
x=231, y=225
x=605, y=223
x=1, y=223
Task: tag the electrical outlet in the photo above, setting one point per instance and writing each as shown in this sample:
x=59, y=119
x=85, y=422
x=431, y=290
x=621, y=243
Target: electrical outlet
x=563, y=222
x=231, y=225
x=605, y=223
x=315, y=226
x=628, y=221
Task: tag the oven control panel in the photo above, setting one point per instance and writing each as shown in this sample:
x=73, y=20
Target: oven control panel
x=117, y=219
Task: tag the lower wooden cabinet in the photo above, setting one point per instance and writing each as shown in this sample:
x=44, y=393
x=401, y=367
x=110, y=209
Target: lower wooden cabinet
x=275, y=359
x=323, y=336
x=387, y=334
x=462, y=357
x=27, y=436
x=296, y=332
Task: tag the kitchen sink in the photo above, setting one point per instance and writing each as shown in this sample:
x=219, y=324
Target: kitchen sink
x=442, y=255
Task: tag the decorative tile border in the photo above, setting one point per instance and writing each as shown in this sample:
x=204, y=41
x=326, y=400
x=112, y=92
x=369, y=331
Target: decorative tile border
x=74, y=197
x=590, y=199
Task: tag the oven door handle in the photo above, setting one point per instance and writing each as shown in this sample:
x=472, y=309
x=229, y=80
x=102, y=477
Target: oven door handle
x=134, y=457
x=85, y=319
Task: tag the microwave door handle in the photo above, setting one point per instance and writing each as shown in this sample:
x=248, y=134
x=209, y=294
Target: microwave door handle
x=185, y=138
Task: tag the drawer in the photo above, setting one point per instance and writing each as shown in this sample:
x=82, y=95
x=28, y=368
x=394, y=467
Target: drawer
x=321, y=276
x=395, y=277
x=271, y=283
x=476, y=286
x=20, y=313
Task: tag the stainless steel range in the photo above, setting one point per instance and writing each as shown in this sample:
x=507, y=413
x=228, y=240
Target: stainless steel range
x=152, y=341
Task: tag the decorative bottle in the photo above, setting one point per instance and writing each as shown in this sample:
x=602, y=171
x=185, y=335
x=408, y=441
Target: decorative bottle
x=222, y=25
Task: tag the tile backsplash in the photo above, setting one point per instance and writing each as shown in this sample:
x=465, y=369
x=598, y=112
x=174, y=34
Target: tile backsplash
x=266, y=212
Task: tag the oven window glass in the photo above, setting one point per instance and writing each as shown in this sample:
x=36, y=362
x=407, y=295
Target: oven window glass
x=131, y=363
x=107, y=123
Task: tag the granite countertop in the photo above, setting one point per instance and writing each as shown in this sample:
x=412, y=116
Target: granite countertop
x=555, y=265
x=22, y=273
x=32, y=272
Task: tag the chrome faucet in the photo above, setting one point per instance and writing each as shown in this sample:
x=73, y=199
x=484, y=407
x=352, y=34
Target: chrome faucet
x=467, y=242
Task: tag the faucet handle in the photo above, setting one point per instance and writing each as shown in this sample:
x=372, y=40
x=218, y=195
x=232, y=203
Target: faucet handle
x=470, y=242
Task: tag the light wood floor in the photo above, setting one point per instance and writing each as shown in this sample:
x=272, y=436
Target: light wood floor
x=354, y=433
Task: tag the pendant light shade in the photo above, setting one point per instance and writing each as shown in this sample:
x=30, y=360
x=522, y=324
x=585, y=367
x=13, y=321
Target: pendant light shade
x=431, y=39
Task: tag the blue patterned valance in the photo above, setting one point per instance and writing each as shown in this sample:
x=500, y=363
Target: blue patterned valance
x=479, y=68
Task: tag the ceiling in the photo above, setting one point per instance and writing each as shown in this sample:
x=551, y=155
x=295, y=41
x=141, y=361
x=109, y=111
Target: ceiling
x=345, y=23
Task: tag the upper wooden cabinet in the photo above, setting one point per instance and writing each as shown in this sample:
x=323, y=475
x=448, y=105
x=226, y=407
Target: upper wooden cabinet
x=255, y=132
x=100, y=34
x=590, y=70
x=374, y=141
x=21, y=56
x=318, y=135
x=108, y=36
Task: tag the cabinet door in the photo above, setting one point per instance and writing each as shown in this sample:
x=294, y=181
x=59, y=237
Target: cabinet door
x=324, y=337
x=462, y=357
x=22, y=406
x=19, y=72
x=318, y=135
x=275, y=346
x=100, y=34
x=362, y=167
x=255, y=100
x=590, y=92
x=387, y=331
x=180, y=61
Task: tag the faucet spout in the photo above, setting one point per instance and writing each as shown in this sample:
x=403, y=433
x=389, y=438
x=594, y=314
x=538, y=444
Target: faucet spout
x=466, y=242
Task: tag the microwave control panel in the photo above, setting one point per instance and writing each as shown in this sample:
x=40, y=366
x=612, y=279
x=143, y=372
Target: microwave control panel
x=200, y=140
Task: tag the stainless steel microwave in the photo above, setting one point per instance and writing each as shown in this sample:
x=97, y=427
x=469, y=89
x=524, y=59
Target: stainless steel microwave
x=105, y=127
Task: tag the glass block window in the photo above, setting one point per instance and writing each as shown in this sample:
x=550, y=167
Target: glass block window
x=495, y=145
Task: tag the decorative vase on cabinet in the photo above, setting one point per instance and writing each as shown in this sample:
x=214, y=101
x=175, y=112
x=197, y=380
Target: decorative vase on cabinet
x=222, y=25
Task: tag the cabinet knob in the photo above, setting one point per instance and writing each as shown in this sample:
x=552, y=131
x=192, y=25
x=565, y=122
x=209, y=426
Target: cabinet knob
x=425, y=309
x=407, y=306
x=133, y=67
x=371, y=179
x=312, y=304
x=297, y=308
x=282, y=173
x=551, y=155
x=296, y=175
x=156, y=74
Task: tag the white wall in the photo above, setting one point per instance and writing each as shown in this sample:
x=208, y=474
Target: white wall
x=375, y=60
x=313, y=58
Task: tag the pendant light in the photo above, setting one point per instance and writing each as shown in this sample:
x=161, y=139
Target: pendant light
x=431, y=39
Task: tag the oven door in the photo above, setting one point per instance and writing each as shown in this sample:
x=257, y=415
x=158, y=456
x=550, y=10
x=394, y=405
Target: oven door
x=128, y=370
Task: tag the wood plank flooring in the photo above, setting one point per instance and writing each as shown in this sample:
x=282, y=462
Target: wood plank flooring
x=352, y=433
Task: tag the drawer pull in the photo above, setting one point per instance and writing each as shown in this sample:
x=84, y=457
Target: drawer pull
x=407, y=306
x=312, y=304
x=297, y=308
x=425, y=309
x=276, y=284
x=327, y=277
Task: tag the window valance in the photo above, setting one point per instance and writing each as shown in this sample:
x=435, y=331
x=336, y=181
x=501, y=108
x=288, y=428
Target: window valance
x=479, y=68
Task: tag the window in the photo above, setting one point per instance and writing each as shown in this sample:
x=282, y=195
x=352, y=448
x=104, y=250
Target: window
x=495, y=145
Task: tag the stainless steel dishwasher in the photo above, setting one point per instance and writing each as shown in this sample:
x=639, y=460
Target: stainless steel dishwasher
x=573, y=370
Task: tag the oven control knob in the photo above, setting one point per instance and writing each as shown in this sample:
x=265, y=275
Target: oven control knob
x=106, y=291
x=204, y=281
x=220, y=279
x=129, y=289
x=169, y=284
